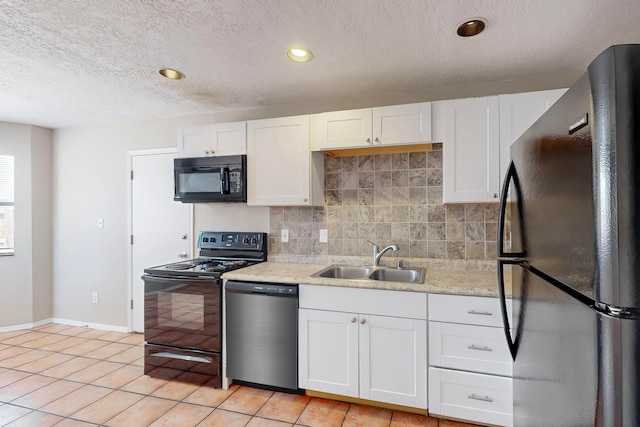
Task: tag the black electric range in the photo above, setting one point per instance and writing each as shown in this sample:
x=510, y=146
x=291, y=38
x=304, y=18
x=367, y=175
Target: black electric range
x=183, y=307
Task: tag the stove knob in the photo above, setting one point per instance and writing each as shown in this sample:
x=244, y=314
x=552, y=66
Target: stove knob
x=245, y=240
x=254, y=241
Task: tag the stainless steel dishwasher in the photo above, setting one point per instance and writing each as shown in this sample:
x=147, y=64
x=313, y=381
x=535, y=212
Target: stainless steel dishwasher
x=262, y=333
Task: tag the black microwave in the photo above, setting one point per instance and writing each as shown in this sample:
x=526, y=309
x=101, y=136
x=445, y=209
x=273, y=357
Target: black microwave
x=210, y=179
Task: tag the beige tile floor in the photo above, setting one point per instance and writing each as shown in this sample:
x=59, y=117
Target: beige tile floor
x=73, y=376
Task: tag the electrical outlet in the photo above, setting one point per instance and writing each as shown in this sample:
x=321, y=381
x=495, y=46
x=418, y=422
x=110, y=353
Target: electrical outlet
x=94, y=297
x=284, y=236
x=100, y=223
x=324, y=236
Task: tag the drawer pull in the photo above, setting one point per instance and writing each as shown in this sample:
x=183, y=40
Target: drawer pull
x=473, y=396
x=479, y=347
x=481, y=313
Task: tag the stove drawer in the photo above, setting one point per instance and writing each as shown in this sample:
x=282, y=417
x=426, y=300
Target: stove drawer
x=191, y=366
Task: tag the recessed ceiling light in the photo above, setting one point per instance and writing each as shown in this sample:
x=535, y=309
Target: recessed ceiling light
x=299, y=54
x=172, y=74
x=471, y=27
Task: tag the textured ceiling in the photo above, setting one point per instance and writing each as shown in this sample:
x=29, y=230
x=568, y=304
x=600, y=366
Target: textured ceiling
x=69, y=63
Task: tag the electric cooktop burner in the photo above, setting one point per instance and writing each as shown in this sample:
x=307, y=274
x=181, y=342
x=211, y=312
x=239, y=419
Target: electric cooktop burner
x=219, y=252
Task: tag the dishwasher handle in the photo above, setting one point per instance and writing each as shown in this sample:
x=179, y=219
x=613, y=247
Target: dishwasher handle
x=262, y=288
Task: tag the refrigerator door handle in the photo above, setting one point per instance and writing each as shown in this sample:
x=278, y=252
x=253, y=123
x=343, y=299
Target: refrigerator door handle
x=503, y=309
x=504, y=258
x=511, y=176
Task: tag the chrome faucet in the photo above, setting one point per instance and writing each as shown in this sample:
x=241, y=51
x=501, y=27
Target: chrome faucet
x=377, y=255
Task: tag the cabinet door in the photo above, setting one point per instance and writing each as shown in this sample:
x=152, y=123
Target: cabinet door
x=517, y=113
x=402, y=124
x=393, y=360
x=471, y=150
x=341, y=129
x=229, y=139
x=195, y=141
x=222, y=139
x=328, y=352
x=278, y=162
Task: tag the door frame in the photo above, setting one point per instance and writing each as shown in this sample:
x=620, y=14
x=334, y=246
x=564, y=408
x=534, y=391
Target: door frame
x=130, y=156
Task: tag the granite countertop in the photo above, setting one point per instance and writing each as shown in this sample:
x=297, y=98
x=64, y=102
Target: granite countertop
x=437, y=280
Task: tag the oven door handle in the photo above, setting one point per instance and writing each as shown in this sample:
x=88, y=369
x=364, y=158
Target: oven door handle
x=174, y=279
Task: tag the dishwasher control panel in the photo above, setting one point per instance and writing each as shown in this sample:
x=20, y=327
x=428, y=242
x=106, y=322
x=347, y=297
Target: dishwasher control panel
x=279, y=289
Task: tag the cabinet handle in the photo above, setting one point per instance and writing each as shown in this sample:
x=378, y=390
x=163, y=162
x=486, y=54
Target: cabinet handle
x=481, y=313
x=377, y=139
x=479, y=347
x=362, y=321
x=353, y=320
x=495, y=195
x=185, y=236
x=369, y=140
x=305, y=200
x=206, y=151
x=473, y=396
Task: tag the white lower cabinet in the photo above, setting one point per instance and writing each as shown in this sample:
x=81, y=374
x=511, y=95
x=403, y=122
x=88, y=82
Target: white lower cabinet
x=328, y=352
x=364, y=353
x=471, y=396
x=470, y=366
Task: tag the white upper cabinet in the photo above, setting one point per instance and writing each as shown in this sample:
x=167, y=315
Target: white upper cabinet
x=517, y=113
x=371, y=127
x=478, y=133
x=471, y=150
x=222, y=139
x=281, y=171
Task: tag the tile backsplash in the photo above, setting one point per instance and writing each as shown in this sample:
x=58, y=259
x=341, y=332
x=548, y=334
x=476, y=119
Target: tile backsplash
x=387, y=198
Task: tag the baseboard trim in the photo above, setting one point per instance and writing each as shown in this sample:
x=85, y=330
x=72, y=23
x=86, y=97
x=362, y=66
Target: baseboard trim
x=366, y=402
x=100, y=326
x=24, y=326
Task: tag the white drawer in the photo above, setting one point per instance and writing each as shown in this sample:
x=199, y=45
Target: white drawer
x=474, y=397
x=381, y=302
x=468, y=347
x=484, y=311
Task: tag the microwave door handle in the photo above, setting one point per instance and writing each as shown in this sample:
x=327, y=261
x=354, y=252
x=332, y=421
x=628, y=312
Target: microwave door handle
x=224, y=178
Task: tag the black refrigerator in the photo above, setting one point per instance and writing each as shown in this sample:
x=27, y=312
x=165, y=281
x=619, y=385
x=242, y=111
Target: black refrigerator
x=569, y=243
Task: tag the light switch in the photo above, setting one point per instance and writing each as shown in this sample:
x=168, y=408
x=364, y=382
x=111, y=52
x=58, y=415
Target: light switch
x=324, y=236
x=100, y=223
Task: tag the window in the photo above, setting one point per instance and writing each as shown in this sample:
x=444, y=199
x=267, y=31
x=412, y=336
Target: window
x=6, y=204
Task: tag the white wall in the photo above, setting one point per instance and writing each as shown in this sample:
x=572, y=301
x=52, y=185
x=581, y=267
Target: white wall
x=25, y=277
x=41, y=225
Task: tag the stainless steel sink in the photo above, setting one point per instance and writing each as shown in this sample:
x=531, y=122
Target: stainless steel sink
x=397, y=275
x=343, y=272
x=405, y=275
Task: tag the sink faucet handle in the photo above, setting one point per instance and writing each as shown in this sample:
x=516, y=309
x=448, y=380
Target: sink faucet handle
x=375, y=246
